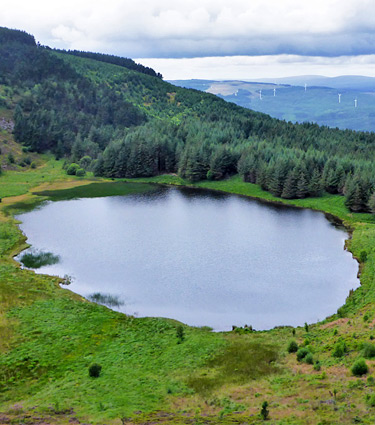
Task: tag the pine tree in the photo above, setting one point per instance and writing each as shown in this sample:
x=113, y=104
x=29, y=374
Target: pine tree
x=315, y=185
x=290, y=186
x=302, y=186
x=371, y=203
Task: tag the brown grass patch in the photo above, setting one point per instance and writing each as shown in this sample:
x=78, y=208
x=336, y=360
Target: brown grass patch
x=337, y=322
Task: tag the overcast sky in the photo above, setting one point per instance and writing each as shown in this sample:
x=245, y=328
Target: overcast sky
x=210, y=38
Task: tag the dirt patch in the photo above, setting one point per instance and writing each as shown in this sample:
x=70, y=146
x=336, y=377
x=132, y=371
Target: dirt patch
x=337, y=322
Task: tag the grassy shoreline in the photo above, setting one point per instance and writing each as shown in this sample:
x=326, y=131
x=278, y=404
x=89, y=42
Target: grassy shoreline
x=63, y=334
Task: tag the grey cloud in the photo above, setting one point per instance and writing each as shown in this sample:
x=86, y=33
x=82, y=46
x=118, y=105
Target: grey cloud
x=198, y=28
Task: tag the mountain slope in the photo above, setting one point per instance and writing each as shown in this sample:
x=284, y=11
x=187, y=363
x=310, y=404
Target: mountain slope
x=123, y=123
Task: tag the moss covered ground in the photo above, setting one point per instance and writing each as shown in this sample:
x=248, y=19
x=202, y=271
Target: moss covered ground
x=50, y=336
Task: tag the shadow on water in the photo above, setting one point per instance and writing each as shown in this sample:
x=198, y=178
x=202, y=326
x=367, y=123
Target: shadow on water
x=97, y=190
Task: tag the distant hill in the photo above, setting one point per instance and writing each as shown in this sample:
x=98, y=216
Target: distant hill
x=350, y=82
x=319, y=104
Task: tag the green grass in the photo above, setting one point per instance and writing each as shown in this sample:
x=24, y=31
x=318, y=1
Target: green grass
x=15, y=183
x=50, y=337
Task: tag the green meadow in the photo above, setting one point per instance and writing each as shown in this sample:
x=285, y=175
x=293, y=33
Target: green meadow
x=51, y=336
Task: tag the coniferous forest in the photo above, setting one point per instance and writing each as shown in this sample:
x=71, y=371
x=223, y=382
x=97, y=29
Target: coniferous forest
x=119, y=119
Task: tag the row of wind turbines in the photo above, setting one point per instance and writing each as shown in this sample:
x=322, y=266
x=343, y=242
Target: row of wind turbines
x=274, y=95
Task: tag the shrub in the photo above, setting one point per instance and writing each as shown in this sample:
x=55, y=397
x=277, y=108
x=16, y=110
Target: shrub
x=72, y=169
x=368, y=351
x=33, y=165
x=94, y=370
x=180, y=334
x=302, y=353
x=317, y=365
x=339, y=350
x=85, y=161
x=11, y=158
x=264, y=412
x=363, y=256
x=359, y=368
x=309, y=359
x=292, y=347
x=306, y=327
x=80, y=172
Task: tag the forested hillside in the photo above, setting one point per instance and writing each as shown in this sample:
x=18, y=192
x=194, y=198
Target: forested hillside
x=119, y=122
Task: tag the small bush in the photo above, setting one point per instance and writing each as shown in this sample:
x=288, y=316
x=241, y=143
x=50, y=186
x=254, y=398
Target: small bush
x=309, y=359
x=80, y=172
x=339, y=350
x=264, y=412
x=85, y=161
x=11, y=158
x=292, y=347
x=359, y=368
x=72, y=169
x=94, y=370
x=368, y=351
x=363, y=256
x=371, y=381
x=33, y=165
x=180, y=334
x=302, y=353
x=317, y=365
x=306, y=327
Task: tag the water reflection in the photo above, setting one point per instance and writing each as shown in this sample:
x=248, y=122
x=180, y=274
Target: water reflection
x=202, y=257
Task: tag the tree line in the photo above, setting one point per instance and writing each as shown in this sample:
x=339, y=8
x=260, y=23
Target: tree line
x=125, y=123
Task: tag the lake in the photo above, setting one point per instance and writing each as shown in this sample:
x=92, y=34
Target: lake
x=200, y=257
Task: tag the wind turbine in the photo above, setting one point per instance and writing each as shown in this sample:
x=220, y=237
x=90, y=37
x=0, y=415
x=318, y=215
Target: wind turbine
x=339, y=97
x=355, y=102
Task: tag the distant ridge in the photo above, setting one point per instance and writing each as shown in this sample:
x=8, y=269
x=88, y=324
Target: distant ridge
x=351, y=82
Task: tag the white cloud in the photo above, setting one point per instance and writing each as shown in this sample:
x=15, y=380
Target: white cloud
x=189, y=28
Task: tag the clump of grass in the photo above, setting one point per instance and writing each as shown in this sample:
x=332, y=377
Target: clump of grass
x=106, y=299
x=36, y=259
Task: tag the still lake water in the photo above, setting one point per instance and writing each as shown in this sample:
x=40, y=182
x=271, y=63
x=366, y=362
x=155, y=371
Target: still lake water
x=199, y=257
